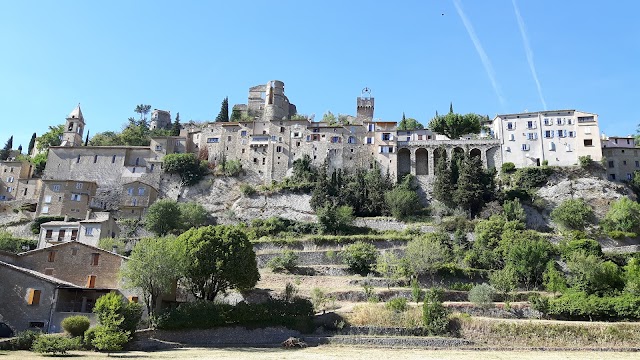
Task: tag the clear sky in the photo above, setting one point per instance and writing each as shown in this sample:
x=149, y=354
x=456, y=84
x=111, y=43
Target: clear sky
x=416, y=56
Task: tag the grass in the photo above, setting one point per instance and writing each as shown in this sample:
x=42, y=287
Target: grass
x=335, y=352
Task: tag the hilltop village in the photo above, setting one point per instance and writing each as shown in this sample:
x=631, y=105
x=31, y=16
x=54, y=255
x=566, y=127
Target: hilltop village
x=531, y=164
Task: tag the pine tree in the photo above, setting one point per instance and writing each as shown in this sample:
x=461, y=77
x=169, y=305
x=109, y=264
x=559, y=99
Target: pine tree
x=403, y=123
x=6, y=151
x=86, y=140
x=223, y=116
x=451, y=107
x=469, y=191
x=443, y=186
x=175, y=129
x=32, y=143
x=236, y=115
x=20, y=149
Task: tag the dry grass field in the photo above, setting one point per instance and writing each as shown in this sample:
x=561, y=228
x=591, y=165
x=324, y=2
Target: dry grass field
x=334, y=353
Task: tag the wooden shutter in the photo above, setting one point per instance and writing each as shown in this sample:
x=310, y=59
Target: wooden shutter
x=91, y=281
x=33, y=297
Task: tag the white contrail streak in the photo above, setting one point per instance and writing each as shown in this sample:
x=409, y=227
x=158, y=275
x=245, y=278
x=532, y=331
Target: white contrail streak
x=527, y=49
x=483, y=55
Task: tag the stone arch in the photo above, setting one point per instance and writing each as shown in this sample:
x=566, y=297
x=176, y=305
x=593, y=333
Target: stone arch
x=493, y=158
x=404, y=162
x=439, y=154
x=475, y=152
x=422, y=161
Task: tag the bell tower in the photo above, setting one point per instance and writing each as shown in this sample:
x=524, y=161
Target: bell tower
x=365, y=105
x=73, y=129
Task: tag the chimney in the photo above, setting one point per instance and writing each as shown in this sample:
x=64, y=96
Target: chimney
x=114, y=249
x=88, y=215
x=66, y=218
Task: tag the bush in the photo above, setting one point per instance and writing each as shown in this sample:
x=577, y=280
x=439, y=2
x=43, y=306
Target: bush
x=508, y=167
x=573, y=214
x=531, y=177
x=580, y=306
x=247, y=190
x=109, y=338
x=232, y=167
x=89, y=335
x=76, y=325
x=188, y=166
x=15, y=245
x=360, y=257
x=114, y=310
x=334, y=219
x=587, y=246
x=288, y=261
x=482, y=295
x=24, y=340
x=623, y=215
x=54, y=344
x=397, y=304
x=402, y=202
x=434, y=315
x=585, y=161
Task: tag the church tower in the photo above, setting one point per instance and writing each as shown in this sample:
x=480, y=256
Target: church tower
x=365, y=105
x=72, y=135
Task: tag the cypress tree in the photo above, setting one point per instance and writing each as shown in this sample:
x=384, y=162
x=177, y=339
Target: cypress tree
x=443, y=186
x=6, y=151
x=451, y=107
x=20, y=148
x=223, y=115
x=86, y=140
x=32, y=143
x=469, y=191
x=175, y=129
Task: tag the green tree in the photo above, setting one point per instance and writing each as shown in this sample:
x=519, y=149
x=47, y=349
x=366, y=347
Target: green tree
x=527, y=253
x=163, y=217
x=109, y=339
x=454, y=125
x=592, y=275
x=223, y=115
x=217, y=258
x=426, y=254
x=573, y=214
x=504, y=280
x=329, y=118
x=53, y=137
x=175, y=129
x=360, y=257
x=623, y=215
x=32, y=143
x=188, y=166
x=513, y=210
x=143, y=110
x=435, y=316
x=136, y=132
x=107, y=138
x=632, y=276
x=192, y=215
x=554, y=280
x=236, y=115
x=409, y=124
x=6, y=150
x=403, y=201
x=109, y=244
x=443, y=185
x=482, y=295
x=335, y=219
x=153, y=267
x=303, y=170
x=391, y=266
x=469, y=192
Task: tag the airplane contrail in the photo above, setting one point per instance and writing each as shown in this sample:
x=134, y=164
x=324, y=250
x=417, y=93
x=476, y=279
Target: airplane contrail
x=480, y=50
x=529, y=52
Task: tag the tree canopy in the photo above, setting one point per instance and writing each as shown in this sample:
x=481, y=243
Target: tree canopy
x=223, y=115
x=6, y=150
x=53, y=137
x=454, y=125
x=409, y=124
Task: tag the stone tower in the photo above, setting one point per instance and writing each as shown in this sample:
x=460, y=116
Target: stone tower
x=365, y=105
x=72, y=135
x=160, y=119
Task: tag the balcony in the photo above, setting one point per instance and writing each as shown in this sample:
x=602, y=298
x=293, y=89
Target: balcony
x=260, y=140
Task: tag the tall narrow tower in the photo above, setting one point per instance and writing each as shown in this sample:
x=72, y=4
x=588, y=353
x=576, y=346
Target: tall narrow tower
x=72, y=135
x=365, y=105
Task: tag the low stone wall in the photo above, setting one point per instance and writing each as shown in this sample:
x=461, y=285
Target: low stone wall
x=517, y=311
x=306, y=258
x=225, y=336
x=392, y=341
x=386, y=224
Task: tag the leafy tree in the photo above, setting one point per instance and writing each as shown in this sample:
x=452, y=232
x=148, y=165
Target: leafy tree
x=232, y=167
x=482, y=295
x=153, y=267
x=527, y=253
x=587, y=246
x=391, y=266
x=143, y=110
x=175, y=129
x=443, y=185
x=403, y=200
x=434, y=315
x=554, y=280
x=632, y=276
x=107, y=138
x=469, y=192
x=360, y=257
x=303, y=170
x=223, y=115
x=32, y=143
x=217, y=258
x=408, y=124
x=188, y=166
x=505, y=280
x=136, y=133
x=486, y=252
x=334, y=219
x=573, y=214
x=109, y=244
x=6, y=150
x=592, y=275
x=513, y=210
x=236, y=115
x=329, y=118
x=192, y=215
x=426, y=254
x=455, y=125
x=53, y=137
x=623, y=215
x=163, y=216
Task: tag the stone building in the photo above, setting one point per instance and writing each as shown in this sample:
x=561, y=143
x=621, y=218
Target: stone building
x=135, y=198
x=160, y=119
x=70, y=198
x=11, y=174
x=558, y=137
x=621, y=157
x=74, y=128
x=90, y=231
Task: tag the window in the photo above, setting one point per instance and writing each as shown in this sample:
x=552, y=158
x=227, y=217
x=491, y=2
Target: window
x=33, y=297
x=113, y=159
x=369, y=140
x=79, y=186
x=512, y=137
x=371, y=127
x=629, y=176
x=158, y=147
x=48, y=234
x=141, y=191
x=548, y=134
x=61, y=235
x=52, y=256
x=278, y=148
x=243, y=133
x=75, y=197
x=531, y=125
x=568, y=147
x=45, y=210
x=611, y=164
x=130, y=191
x=9, y=189
x=511, y=125
x=569, y=121
x=548, y=121
x=91, y=281
x=55, y=187
x=386, y=136
x=36, y=325
x=562, y=133
x=335, y=139
x=559, y=121
x=386, y=149
x=95, y=159
x=525, y=147
x=95, y=258
x=552, y=146
x=213, y=140
x=637, y=164
x=419, y=137
x=588, y=142
x=74, y=234
x=532, y=136
x=351, y=140
x=612, y=177
x=88, y=231
x=134, y=202
x=624, y=162
x=264, y=161
x=10, y=179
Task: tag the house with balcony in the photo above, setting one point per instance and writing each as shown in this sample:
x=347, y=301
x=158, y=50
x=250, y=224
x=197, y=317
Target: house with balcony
x=89, y=231
x=135, y=199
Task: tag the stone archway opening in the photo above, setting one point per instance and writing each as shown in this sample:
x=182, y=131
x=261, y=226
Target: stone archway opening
x=439, y=155
x=475, y=152
x=422, y=161
x=404, y=162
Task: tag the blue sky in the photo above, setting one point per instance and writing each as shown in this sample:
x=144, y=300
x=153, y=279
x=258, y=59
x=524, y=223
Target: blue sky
x=416, y=56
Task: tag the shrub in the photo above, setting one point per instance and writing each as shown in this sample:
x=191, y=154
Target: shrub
x=426, y=254
x=587, y=246
x=15, y=245
x=24, y=340
x=580, y=306
x=232, y=167
x=109, y=338
x=287, y=261
x=55, y=345
x=573, y=214
x=76, y=325
x=508, y=167
x=247, y=190
x=482, y=295
x=623, y=215
x=531, y=177
x=402, y=202
x=188, y=166
x=89, y=335
x=397, y=304
x=585, y=161
x=334, y=219
x=513, y=210
x=114, y=310
x=434, y=315
x=360, y=257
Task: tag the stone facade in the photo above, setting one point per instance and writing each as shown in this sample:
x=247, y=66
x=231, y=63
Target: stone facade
x=65, y=198
x=160, y=119
x=88, y=231
x=620, y=158
x=11, y=174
